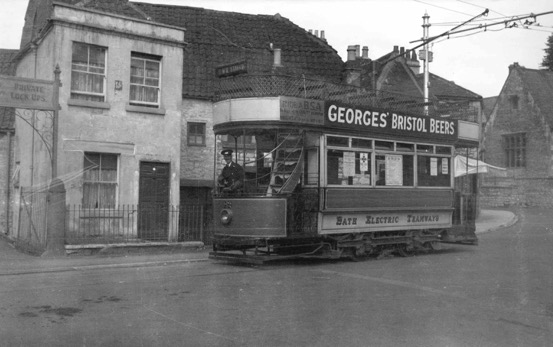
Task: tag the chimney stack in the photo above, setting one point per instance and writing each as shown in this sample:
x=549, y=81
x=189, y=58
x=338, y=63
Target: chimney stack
x=413, y=63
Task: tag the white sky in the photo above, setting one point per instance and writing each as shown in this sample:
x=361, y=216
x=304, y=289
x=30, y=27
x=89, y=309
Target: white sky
x=477, y=61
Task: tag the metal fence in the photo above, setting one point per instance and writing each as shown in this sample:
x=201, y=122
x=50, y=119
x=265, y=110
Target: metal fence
x=122, y=224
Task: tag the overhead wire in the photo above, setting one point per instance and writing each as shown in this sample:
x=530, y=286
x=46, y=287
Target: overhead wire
x=443, y=8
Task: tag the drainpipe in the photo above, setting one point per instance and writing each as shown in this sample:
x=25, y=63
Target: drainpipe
x=8, y=181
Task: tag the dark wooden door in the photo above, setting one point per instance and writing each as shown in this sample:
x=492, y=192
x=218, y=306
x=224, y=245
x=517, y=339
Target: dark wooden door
x=153, y=201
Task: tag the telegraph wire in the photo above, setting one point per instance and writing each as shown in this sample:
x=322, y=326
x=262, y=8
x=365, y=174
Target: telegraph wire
x=510, y=23
x=469, y=3
x=443, y=8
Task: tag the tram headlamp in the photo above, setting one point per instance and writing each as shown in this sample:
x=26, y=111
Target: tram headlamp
x=226, y=216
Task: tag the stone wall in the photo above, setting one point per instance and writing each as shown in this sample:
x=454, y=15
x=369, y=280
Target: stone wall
x=503, y=191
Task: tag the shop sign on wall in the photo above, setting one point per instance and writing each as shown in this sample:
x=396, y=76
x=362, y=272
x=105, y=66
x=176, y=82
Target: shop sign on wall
x=26, y=93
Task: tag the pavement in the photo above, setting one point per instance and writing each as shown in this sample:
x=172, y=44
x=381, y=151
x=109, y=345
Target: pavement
x=15, y=262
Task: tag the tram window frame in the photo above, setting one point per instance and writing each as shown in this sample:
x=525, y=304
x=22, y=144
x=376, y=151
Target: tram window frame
x=407, y=169
x=425, y=176
x=311, y=166
x=335, y=149
x=412, y=155
x=338, y=141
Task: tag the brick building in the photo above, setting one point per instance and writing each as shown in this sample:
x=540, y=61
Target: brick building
x=518, y=136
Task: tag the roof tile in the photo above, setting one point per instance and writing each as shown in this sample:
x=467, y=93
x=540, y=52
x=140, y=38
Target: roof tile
x=217, y=38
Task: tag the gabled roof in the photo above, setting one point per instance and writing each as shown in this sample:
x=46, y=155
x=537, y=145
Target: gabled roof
x=7, y=67
x=488, y=105
x=440, y=89
x=217, y=38
x=539, y=83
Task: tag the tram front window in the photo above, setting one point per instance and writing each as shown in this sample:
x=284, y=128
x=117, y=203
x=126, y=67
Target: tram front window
x=270, y=159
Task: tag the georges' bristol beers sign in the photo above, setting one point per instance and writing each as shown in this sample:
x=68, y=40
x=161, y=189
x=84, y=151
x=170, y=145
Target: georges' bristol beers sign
x=356, y=118
x=26, y=93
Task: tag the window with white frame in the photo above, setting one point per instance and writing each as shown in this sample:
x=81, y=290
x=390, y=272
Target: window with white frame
x=145, y=80
x=100, y=180
x=88, y=72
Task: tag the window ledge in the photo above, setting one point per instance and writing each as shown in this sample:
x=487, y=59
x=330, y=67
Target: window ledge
x=142, y=109
x=88, y=103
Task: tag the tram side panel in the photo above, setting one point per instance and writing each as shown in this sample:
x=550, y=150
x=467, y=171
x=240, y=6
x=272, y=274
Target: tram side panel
x=356, y=210
x=250, y=217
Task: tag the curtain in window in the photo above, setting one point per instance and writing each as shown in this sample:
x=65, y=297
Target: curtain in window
x=100, y=180
x=88, y=72
x=144, y=81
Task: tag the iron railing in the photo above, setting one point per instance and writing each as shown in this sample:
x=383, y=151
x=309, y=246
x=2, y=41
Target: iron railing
x=31, y=232
x=247, y=86
x=122, y=224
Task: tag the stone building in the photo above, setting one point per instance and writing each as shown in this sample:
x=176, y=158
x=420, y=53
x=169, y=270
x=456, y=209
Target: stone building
x=120, y=109
x=7, y=140
x=518, y=137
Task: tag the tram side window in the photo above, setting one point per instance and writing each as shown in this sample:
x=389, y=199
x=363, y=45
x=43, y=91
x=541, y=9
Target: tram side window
x=400, y=170
x=433, y=171
x=348, y=167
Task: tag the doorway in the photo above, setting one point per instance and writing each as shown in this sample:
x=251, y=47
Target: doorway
x=153, y=201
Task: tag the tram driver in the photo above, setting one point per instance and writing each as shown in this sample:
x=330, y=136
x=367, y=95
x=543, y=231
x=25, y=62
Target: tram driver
x=231, y=178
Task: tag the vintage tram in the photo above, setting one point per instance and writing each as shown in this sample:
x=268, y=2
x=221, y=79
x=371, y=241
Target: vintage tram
x=332, y=179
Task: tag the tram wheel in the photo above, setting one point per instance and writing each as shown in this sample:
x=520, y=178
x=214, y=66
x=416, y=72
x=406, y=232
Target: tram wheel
x=432, y=246
x=404, y=251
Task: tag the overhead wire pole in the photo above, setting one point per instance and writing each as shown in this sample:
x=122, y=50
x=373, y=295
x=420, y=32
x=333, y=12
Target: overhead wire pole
x=425, y=43
x=425, y=31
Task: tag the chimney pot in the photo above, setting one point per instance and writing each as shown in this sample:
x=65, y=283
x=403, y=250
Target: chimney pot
x=396, y=49
x=365, y=52
x=317, y=33
x=351, y=53
x=323, y=35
